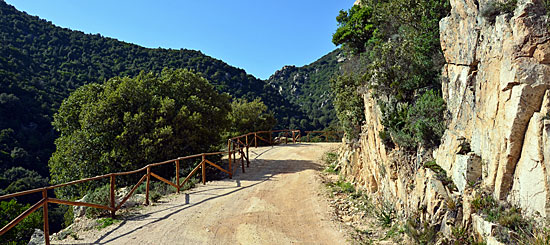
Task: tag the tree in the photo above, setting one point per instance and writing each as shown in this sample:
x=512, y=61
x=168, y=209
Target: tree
x=127, y=123
x=250, y=116
x=397, y=44
x=348, y=104
x=22, y=232
x=355, y=28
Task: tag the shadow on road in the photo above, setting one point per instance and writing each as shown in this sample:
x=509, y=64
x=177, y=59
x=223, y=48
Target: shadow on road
x=260, y=171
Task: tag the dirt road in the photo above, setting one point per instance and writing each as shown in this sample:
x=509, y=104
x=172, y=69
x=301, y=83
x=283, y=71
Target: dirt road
x=277, y=201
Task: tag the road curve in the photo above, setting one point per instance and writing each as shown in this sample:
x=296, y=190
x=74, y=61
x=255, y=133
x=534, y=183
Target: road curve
x=277, y=201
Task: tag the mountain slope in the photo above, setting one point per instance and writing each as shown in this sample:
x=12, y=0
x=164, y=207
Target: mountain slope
x=309, y=87
x=40, y=64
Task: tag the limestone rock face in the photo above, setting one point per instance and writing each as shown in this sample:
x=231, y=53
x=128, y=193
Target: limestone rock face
x=495, y=83
x=497, y=77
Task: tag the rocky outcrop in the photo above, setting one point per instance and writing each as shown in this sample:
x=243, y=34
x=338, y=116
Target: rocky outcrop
x=496, y=83
x=497, y=77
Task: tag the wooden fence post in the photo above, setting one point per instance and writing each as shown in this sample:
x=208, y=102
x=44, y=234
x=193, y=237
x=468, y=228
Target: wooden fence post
x=147, y=185
x=178, y=176
x=234, y=148
x=242, y=158
x=247, y=155
x=46, y=223
x=112, y=196
x=293, y=137
x=255, y=140
x=229, y=155
x=203, y=170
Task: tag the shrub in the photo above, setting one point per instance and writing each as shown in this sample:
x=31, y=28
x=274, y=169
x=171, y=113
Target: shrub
x=21, y=233
x=342, y=186
x=348, y=104
x=420, y=232
x=106, y=222
x=385, y=213
x=426, y=118
x=100, y=196
x=125, y=123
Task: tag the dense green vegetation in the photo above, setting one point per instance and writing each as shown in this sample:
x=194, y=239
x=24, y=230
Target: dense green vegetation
x=41, y=64
x=309, y=87
x=21, y=233
x=348, y=104
x=395, y=52
x=127, y=123
x=246, y=117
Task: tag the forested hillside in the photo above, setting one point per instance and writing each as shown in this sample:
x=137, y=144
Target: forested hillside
x=309, y=87
x=41, y=64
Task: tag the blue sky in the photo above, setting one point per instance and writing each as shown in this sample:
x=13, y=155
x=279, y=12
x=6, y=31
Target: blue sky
x=259, y=36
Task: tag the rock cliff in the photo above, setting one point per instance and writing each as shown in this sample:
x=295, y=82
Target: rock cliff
x=496, y=84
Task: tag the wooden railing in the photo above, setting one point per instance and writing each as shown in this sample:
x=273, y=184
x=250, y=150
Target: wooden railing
x=328, y=135
x=235, y=145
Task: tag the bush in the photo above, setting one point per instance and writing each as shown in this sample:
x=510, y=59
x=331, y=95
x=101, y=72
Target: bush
x=125, y=123
x=21, y=233
x=398, y=43
x=410, y=126
x=100, y=196
x=427, y=119
x=348, y=104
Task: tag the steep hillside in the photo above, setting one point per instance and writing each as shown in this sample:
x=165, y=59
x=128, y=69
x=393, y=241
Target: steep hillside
x=486, y=179
x=40, y=64
x=309, y=87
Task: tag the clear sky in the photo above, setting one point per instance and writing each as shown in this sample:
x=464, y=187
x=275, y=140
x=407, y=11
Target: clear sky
x=259, y=36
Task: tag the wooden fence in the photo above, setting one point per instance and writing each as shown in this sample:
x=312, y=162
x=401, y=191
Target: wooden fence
x=330, y=136
x=235, y=145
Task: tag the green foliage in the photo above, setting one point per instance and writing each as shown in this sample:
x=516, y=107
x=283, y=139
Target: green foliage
x=342, y=186
x=190, y=183
x=21, y=233
x=524, y=231
x=494, y=8
x=426, y=119
x=402, y=59
x=104, y=222
x=421, y=232
x=127, y=123
x=18, y=179
x=330, y=158
x=100, y=196
x=385, y=213
x=309, y=87
x=246, y=117
x=348, y=104
x=355, y=28
x=41, y=64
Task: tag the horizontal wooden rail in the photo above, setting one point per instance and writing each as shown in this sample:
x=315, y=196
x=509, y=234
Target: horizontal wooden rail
x=85, y=204
x=239, y=144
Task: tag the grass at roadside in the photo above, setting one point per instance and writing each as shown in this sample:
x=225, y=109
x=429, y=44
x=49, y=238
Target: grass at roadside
x=368, y=221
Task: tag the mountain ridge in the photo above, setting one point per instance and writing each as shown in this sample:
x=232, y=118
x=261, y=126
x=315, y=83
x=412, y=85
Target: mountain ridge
x=41, y=64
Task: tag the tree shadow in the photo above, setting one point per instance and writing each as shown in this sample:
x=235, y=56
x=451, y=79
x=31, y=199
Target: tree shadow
x=260, y=171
